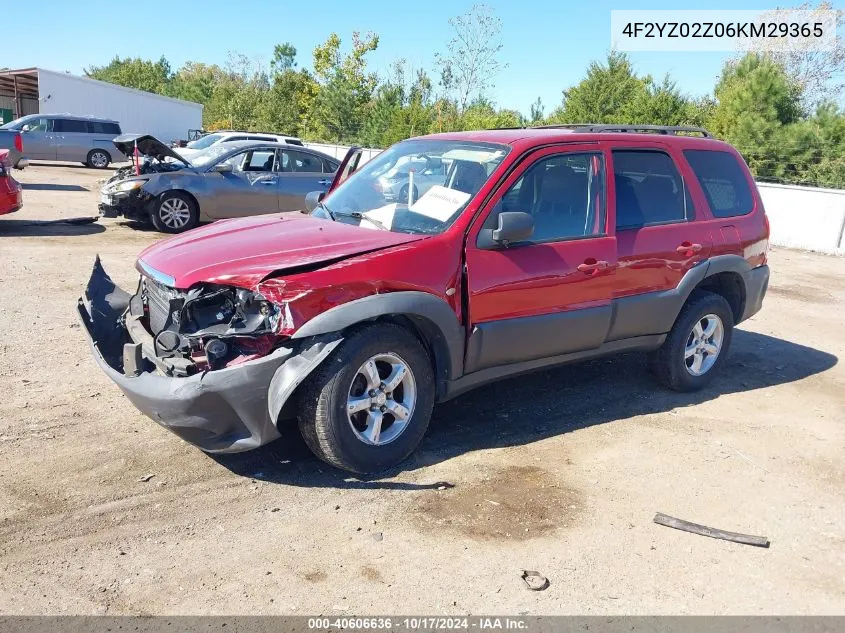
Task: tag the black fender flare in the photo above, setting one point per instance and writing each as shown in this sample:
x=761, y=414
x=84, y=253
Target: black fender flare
x=435, y=319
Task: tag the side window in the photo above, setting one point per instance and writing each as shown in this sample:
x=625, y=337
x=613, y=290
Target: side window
x=297, y=162
x=229, y=139
x=649, y=190
x=259, y=160
x=723, y=181
x=111, y=128
x=95, y=127
x=38, y=125
x=329, y=167
x=565, y=194
x=69, y=125
x=266, y=139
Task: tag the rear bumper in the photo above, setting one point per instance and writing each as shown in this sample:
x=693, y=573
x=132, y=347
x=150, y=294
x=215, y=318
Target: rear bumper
x=223, y=411
x=756, y=285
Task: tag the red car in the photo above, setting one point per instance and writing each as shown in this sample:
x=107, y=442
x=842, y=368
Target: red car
x=11, y=194
x=539, y=247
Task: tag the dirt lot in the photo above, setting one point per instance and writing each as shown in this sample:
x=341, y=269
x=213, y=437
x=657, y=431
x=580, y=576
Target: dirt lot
x=560, y=472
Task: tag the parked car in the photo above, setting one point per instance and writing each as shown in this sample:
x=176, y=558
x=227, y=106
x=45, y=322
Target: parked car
x=232, y=179
x=12, y=142
x=413, y=177
x=11, y=195
x=230, y=136
x=542, y=247
x=65, y=137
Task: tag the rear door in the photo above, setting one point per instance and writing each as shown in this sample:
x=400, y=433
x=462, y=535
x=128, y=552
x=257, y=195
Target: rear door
x=662, y=232
x=550, y=295
x=251, y=188
x=73, y=141
x=299, y=174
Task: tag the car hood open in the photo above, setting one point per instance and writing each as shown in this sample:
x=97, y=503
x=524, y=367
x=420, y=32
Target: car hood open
x=147, y=145
x=244, y=251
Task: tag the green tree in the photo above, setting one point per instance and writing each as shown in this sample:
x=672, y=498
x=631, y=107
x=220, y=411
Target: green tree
x=134, y=72
x=345, y=88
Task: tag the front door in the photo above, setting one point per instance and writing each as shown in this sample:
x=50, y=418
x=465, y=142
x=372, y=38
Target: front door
x=549, y=295
x=38, y=139
x=300, y=173
x=250, y=188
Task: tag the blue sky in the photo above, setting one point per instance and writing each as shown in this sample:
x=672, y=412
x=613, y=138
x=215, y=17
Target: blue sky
x=547, y=43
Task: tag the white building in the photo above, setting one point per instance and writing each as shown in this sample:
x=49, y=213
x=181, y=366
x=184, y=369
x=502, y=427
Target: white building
x=35, y=90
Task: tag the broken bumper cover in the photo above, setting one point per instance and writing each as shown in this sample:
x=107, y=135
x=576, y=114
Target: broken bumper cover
x=222, y=411
x=130, y=205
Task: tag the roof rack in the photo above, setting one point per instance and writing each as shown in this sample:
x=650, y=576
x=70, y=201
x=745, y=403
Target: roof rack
x=635, y=128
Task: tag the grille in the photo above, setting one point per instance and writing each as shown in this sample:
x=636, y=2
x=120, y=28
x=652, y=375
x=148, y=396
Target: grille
x=158, y=303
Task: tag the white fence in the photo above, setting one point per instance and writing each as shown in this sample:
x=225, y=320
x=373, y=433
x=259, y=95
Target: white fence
x=339, y=151
x=809, y=218
x=805, y=217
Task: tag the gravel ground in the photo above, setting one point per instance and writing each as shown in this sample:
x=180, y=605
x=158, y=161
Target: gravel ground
x=561, y=472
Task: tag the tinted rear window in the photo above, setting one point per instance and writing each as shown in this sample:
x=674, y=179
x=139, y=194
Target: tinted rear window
x=69, y=125
x=103, y=127
x=723, y=180
x=649, y=190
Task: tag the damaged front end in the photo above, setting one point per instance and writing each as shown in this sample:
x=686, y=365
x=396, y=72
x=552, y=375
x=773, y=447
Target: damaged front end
x=207, y=363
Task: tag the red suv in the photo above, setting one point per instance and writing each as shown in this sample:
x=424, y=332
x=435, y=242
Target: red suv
x=515, y=250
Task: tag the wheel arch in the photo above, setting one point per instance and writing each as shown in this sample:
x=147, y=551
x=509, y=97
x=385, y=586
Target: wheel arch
x=428, y=317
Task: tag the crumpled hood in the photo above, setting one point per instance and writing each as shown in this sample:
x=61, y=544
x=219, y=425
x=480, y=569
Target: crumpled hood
x=244, y=251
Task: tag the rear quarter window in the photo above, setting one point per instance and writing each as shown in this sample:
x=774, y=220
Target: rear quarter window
x=723, y=180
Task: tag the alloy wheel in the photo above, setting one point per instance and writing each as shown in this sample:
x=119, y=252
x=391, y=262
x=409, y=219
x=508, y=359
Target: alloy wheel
x=704, y=344
x=381, y=399
x=174, y=213
x=99, y=160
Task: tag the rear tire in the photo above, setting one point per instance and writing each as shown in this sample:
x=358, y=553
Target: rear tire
x=174, y=212
x=98, y=159
x=697, y=345
x=338, y=411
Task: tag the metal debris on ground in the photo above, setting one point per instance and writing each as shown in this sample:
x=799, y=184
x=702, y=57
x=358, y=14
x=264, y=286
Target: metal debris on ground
x=703, y=530
x=534, y=580
x=443, y=485
x=146, y=477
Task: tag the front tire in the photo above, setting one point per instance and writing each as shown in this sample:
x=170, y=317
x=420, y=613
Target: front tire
x=697, y=345
x=98, y=159
x=367, y=406
x=174, y=212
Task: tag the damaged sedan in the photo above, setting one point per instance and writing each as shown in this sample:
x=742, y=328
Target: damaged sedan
x=354, y=320
x=236, y=179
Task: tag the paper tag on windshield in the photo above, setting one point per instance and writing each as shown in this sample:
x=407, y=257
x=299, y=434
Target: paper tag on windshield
x=440, y=202
x=382, y=216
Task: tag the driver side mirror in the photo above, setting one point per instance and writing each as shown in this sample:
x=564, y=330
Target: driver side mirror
x=514, y=226
x=223, y=168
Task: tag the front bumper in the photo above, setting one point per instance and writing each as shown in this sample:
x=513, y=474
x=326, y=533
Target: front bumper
x=222, y=411
x=130, y=206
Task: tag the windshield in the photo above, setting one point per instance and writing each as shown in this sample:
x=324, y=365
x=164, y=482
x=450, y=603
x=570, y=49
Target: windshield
x=416, y=186
x=17, y=124
x=205, y=141
x=210, y=155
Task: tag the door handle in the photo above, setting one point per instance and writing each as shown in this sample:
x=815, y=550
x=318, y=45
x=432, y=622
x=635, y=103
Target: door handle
x=324, y=181
x=688, y=247
x=268, y=182
x=591, y=266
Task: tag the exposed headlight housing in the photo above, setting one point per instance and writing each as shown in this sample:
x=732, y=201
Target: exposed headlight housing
x=127, y=185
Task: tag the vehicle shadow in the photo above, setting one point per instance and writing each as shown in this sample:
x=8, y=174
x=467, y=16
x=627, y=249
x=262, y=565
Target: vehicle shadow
x=46, y=228
x=36, y=186
x=543, y=404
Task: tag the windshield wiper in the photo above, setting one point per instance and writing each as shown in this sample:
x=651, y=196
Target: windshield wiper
x=323, y=205
x=360, y=216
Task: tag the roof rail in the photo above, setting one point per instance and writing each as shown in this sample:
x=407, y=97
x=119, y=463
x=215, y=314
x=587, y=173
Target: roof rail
x=635, y=128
